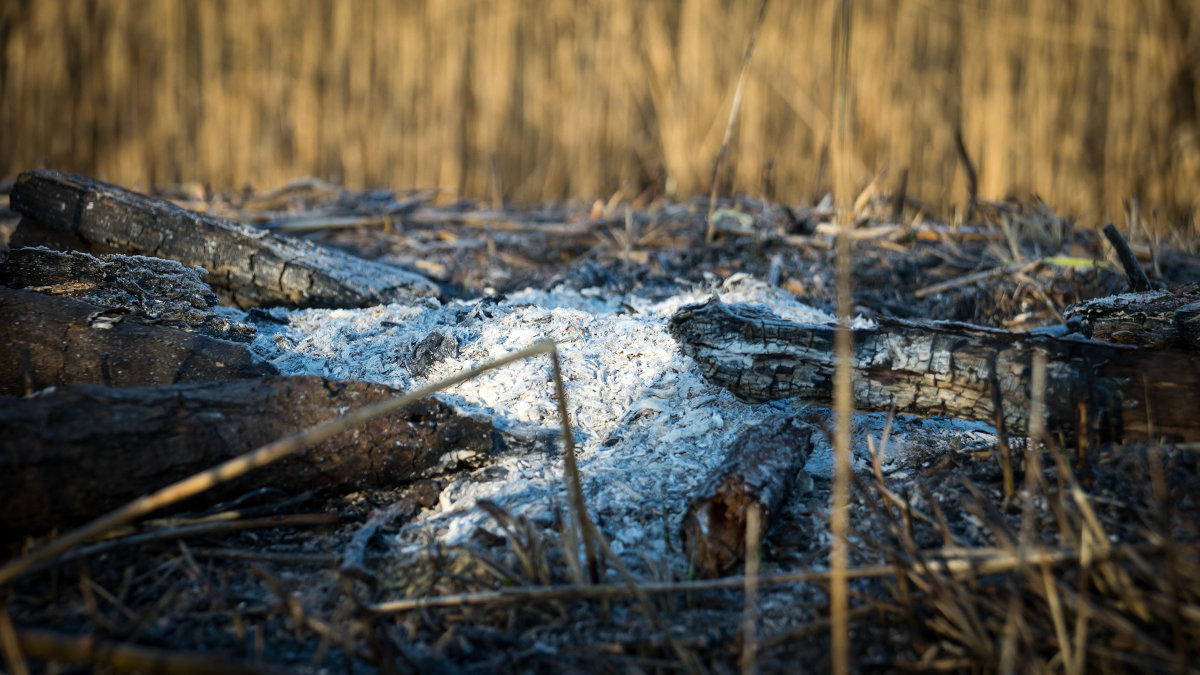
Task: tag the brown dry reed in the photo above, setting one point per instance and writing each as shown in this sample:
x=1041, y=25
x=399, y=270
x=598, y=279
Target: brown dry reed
x=1088, y=103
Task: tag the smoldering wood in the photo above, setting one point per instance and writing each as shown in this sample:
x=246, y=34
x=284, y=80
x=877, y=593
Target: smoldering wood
x=1153, y=318
x=161, y=291
x=80, y=450
x=952, y=370
x=249, y=267
x=48, y=340
x=760, y=469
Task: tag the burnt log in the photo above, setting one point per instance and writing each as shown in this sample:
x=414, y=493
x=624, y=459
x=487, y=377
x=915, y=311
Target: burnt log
x=951, y=369
x=48, y=340
x=70, y=453
x=248, y=267
x=1154, y=318
x=758, y=470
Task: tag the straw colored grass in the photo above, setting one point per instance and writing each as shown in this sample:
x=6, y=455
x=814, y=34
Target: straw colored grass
x=1086, y=102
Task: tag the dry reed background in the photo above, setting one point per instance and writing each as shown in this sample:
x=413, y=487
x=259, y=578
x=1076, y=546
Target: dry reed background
x=1084, y=102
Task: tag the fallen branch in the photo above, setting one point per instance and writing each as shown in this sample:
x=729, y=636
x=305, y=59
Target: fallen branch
x=250, y=267
x=263, y=456
x=948, y=369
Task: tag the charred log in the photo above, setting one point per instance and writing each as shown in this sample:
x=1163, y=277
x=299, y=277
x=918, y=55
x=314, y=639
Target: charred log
x=1154, y=318
x=69, y=454
x=247, y=266
x=759, y=470
x=950, y=369
x=160, y=291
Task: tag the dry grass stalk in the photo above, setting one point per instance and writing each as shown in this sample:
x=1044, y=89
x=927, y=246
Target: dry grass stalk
x=734, y=108
x=843, y=386
x=10, y=645
x=750, y=608
x=1085, y=102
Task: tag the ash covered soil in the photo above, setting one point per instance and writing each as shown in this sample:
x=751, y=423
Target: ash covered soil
x=602, y=282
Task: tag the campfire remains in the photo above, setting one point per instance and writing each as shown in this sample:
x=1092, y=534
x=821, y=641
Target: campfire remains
x=131, y=377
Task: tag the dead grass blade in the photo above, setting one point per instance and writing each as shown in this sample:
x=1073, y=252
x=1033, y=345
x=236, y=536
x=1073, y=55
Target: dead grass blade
x=843, y=384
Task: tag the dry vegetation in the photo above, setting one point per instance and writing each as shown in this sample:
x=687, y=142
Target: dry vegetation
x=1088, y=103
x=1088, y=566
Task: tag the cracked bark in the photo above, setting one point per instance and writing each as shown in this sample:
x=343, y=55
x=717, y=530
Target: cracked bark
x=247, y=266
x=952, y=370
x=68, y=454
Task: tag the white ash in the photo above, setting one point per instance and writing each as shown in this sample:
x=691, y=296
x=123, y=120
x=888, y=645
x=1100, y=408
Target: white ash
x=648, y=427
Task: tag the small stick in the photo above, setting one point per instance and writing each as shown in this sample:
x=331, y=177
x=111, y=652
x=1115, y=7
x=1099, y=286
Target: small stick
x=1138, y=281
x=710, y=232
x=967, y=279
x=213, y=528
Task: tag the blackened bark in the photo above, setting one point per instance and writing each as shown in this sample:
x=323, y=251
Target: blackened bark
x=159, y=291
x=758, y=470
x=947, y=369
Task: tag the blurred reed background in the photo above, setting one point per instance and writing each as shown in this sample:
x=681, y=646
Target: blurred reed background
x=1084, y=102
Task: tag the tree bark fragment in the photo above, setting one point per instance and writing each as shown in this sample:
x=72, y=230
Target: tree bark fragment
x=951, y=370
x=247, y=266
x=81, y=450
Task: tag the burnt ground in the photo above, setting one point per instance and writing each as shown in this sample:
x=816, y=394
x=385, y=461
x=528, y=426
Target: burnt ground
x=1116, y=588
